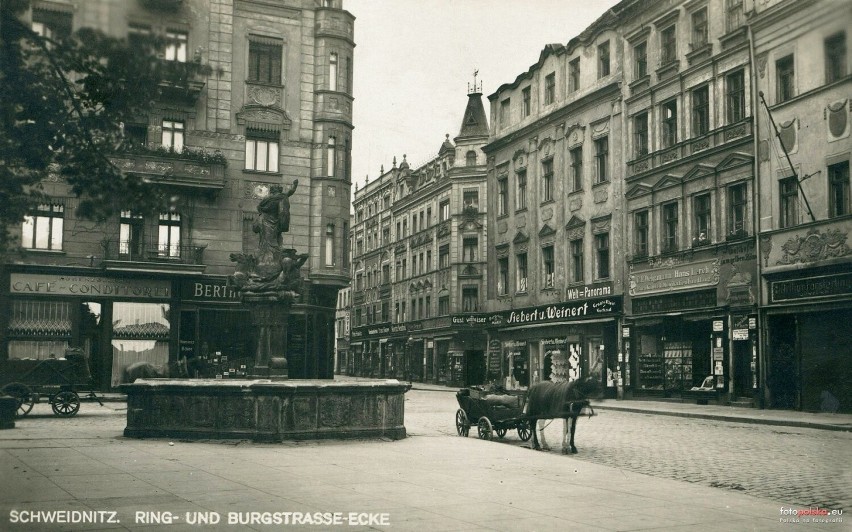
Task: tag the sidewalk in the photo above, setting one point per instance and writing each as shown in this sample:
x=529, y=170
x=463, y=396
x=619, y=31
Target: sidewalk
x=735, y=414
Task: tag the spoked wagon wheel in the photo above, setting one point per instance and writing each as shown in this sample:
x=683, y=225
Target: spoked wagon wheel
x=462, y=423
x=23, y=395
x=65, y=403
x=524, y=430
x=484, y=428
x=500, y=432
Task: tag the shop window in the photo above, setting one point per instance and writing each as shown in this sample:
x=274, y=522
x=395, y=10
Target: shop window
x=789, y=192
x=835, y=57
x=548, y=264
x=603, y=60
x=702, y=212
x=547, y=180
x=602, y=250
x=521, y=272
x=173, y=135
x=503, y=276
x=39, y=329
x=602, y=159
x=838, y=189
x=640, y=134
x=140, y=334
x=735, y=85
x=470, y=299
x=577, y=169
x=669, y=114
x=521, y=195
x=577, y=274
x=168, y=241
x=574, y=75
x=550, y=88
x=700, y=111
x=43, y=229
x=131, y=233
x=670, y=227
x=737, y=207
x=502, y=196
x=264, y=62
x=640, y=60
x=261, y=152
x=785, y=79
x=640, y=227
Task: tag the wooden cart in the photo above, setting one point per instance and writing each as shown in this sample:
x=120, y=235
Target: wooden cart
x=493, y=412
x=58, y=379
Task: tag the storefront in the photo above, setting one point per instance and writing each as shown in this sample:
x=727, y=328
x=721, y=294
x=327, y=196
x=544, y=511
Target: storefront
x=693, y=320
x=560, y=342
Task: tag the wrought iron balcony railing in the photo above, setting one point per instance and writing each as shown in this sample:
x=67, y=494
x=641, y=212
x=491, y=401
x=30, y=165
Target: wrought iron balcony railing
x=128, y=251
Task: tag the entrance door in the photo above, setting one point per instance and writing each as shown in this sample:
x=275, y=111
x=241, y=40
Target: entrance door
x=742, y=369
x=474, y=368
x=91, y=314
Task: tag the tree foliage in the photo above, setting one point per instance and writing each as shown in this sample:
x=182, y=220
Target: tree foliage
x=63, y=105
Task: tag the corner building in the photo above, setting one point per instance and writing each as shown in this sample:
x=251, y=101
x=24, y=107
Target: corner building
x=419, y=276
x=555, y=185
x=276, y=107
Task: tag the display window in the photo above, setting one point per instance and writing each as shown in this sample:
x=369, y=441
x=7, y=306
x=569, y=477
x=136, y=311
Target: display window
x=140, y=334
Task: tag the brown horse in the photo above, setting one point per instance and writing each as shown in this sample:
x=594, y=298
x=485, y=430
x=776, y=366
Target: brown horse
x=560, y=400
x=146, y=370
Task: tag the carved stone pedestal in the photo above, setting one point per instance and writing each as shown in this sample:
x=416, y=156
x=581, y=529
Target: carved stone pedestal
x=269, y=320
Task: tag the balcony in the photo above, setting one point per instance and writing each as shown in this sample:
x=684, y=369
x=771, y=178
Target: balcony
x=715, y=138
x=189, y=168
x=151, y=256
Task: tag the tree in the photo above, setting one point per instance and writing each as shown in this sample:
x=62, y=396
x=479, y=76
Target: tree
x=65, y=99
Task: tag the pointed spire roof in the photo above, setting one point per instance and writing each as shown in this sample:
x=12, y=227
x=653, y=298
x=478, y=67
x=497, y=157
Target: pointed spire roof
x=474, y=123
x=446, y=145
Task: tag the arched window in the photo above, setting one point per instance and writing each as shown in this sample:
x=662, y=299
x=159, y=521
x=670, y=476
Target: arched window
x=470, y=158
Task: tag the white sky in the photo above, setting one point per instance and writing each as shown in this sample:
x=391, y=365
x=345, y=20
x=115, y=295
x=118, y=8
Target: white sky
x=415, y=58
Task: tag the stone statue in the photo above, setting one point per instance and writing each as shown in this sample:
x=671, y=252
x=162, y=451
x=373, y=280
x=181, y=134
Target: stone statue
x=274, y=217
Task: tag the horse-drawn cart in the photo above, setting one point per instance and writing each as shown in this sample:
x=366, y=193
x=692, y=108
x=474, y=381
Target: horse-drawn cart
x=492, y=411
x=58, y=379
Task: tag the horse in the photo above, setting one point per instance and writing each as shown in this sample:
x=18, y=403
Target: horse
x=146, y=370
x=559, y=400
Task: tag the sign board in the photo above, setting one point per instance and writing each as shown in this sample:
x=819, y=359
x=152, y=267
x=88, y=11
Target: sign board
x=88, y=286
x=671, y=276
x=718, y=326
x=740, y=334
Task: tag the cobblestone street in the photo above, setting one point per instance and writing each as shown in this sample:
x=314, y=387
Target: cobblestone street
x=807, y=466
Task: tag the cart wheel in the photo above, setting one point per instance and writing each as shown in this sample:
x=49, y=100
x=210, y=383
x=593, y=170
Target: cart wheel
x=65, y=403
x=486, y=432
x=23, y=395
x=524, y=430
x=462, y=423
x=500, y=432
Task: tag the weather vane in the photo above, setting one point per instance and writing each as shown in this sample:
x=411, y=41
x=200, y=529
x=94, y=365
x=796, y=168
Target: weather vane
x=475, y=73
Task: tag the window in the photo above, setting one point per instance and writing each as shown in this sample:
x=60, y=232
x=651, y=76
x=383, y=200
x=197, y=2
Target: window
x=329, y=245
x=640, y=134
x=577, y=169
x=736, y=17
x=521, y=272
x=502, y=276
x=574, y=74
x=835, y=57
x=548, y=266
x=737, y=209
x=838, y=189
x=668, y=44
x=332, y=71
x=577, y=275
x=700, y=111
x=527, y=101
x=602, y=249
x=264, y=62
x=502, y=196
x=444, y=256
x=603, y=60
x=640, y=227
x=261, y=154
x=330, y=156
x=470, y=199
x=130, y=235
x=469, y=246
x=168, y=240
x=550, y=88
x=735, y=84
x=547, y=180
x=640, y=60
x=521, y=196
x=43, y=229
x=470, y=299
x=602, y=159
x=702, y=211
x=52, y=24
x=135, y=134
x=386, y=274
x=428, y=260
x=176, y=47
x=428, y=307
x=789, y=201
x=173, y=135
x=786, y=78
x=699, y=28
x=349, y=74
x=443, y=305
x=669, y=112
x=504, y=111
x=444, y=208
x=670, y=220
x=470, y=158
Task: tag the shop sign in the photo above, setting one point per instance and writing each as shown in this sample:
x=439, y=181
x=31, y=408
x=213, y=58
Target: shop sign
x=718, y=326
x=740, y=334
x=473, y=320
x=681, y=301
x=588, y=292
x=378, y=330
x=88, y=286
x=817, y=287
x=672, y=275
x=553, y=313
x=214, y=291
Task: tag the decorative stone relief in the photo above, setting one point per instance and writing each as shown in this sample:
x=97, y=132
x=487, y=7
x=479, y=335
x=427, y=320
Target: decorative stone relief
x=761, y=64
x=601, y=194
x=576, y=233
x=837, y=119
x=547, y=213
x=575, y=204
x=521, y=220
x=502, y=227
x=264, y=95
x=787, y=134
x=814, y=246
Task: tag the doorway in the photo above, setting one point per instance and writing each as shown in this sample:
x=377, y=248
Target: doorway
x=742, y=369
x=474, y=368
